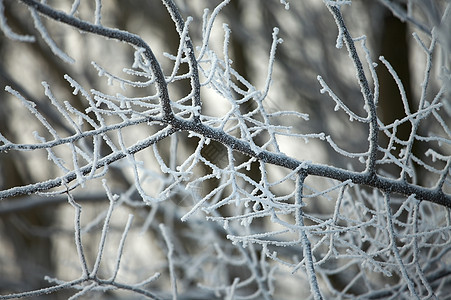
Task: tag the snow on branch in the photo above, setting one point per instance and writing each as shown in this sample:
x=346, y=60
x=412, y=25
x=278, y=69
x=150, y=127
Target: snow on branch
x=256, y=216
x=8, y=31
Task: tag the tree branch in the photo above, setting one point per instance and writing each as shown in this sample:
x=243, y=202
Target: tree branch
x=69, y=177
x=193, y=67
x=364, y=85
x=119, y=35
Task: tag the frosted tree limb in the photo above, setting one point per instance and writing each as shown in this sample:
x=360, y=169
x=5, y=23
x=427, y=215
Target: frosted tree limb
x=364, y=86
x=306, y=245
x=192, y=61
x=8, y=31
x=123, y=36
x=382, y=183
x=101, y=163
x=251, y=208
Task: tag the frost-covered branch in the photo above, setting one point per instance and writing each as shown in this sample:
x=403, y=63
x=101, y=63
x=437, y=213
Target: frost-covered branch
x=205, y=178
x=123, y=36
x=370, y=107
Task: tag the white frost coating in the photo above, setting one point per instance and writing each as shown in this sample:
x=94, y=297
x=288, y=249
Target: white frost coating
x=59, y=162
x=402, y=91
x=61, y=110
x=340, y=103
x=395, y=249
x=286, y=4
x=372, y=66
x=80, y=178
x=227, y=61
x=106, y=225
x=46, y=37
x=288, y=113
x=74, y=8
x=337, y=3
x=98, y=12
x=120, y=249
x=77, y=227
x=170, y=246
x=340, y=38
x=31, y=106
x=208, y=25
x=5, y=141
x=123, y=82
x=344, y=152
x=272, y=57
x=8, y=31
x=274, y=210
x=181, y=50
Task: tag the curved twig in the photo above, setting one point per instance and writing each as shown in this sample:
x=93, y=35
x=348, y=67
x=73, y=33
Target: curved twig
x=119, y=35
x=364, y=86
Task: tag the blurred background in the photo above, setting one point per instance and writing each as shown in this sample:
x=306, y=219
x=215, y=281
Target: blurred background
x=36, y=233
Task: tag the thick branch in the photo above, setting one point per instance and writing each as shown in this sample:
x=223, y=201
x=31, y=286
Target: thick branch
x=369, y=178
x=373, y=180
